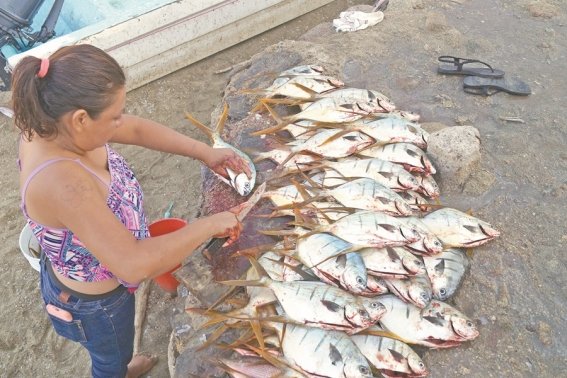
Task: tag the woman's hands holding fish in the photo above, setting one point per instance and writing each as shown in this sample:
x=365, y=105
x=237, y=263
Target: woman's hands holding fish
x=222, y=158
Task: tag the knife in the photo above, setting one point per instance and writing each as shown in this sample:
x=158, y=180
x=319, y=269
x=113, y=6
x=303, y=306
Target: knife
x=216, y=243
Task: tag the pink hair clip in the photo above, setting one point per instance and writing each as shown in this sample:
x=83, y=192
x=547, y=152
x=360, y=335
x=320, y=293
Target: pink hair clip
x=43, y=68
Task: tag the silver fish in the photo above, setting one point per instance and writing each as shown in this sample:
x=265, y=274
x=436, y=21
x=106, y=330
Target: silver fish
x=391, y=130
x=380, y=103
x=411, y=157
x=324, y=144
x=332, y=261
x=446, y=271
x=300, y=87
x=436, y=326
x=323, y=353
x=371, y=229
x=416, y=201
x=239, y=181
x=368, y=194
x=394, y=262
x=427, y=186
x=429, y=243
x=319, y=305
x=457, y=229
x=415, y=290
x=284, y=196
x=391, y=175
x=391, y=357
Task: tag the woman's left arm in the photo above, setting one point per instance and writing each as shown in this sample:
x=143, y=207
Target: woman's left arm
x=155, y=136
x=146, y=133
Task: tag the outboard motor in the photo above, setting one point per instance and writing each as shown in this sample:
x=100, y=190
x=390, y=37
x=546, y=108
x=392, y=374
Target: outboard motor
x=16, y=17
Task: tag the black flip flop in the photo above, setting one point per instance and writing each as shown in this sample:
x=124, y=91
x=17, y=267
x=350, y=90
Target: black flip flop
x=455, y=66
x=488, y=86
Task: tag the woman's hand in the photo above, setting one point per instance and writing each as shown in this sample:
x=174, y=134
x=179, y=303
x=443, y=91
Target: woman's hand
x=228, y=225
x=221, y=158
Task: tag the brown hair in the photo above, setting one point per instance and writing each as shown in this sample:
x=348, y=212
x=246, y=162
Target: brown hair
x=78, y=77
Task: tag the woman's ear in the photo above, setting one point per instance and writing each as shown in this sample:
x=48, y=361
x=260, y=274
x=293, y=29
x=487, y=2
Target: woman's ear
x=79, y=120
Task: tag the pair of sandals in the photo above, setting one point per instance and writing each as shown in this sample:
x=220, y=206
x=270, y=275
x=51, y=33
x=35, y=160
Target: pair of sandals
x=484, y=81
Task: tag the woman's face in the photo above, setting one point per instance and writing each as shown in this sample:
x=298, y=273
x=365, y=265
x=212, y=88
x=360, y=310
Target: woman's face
x=101, y=129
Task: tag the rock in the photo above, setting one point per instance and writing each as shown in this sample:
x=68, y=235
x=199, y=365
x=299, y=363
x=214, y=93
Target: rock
x=436, y=22
x=544, y=333
x=542, y=9
x=455, y=151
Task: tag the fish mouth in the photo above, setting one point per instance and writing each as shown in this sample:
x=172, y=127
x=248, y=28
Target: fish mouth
x=240, y=182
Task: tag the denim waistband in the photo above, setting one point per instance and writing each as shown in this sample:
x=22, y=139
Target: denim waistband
x=85, y=297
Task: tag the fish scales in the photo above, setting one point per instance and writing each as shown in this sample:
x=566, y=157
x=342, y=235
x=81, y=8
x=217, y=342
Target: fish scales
x=322, y=352
x=457, y=229
x=391, y=357
x=391, y=175
x=437, y=326
x=411, y=157
x=372, y=229
x=327, y=257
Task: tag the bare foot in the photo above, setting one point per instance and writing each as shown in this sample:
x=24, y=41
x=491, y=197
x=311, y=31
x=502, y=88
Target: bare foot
x=141, y=364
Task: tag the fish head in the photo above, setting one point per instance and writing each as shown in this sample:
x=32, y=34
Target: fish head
x=354, y=276
x=420, y=295
x=408, y=182
x=432, y=244
x=416, y=365
x=429, y=187
x=385, y=103
x=441, y=288
x=240, y=182
x=464, y=328
x=403, y=207
x=357, y=315
x=375, y=286
x=374, y=307
x=413, y=264
x=410, y=233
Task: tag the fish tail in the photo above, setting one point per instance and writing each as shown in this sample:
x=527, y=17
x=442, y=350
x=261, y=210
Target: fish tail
x=215, y=317
x=222, y=120
x=281, y=123
x=200, y=126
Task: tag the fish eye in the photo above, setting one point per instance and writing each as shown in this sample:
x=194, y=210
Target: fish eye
x=364, y=370
x=442, y=292
x=359, y=280
x=418, y=263
x=469, y=323
x=437, y=242
x=421, y=365
x=375, y=304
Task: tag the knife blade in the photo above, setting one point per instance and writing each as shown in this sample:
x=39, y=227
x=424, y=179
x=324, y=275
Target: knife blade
x=216, y=243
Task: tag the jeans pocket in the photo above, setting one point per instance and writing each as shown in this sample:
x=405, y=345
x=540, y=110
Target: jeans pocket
x=72, y=330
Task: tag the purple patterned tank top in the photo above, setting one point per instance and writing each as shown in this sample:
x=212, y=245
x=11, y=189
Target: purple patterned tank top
x=67, y=254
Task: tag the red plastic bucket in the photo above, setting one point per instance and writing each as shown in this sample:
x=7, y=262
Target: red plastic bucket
x=161, y=227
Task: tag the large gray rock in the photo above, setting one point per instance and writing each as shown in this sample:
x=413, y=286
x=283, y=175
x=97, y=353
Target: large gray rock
x=455, y=152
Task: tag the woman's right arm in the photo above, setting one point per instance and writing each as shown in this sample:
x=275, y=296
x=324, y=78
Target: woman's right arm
x=74, y=197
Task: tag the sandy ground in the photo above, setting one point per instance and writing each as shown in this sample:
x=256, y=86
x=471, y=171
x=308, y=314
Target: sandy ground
x=516, y=288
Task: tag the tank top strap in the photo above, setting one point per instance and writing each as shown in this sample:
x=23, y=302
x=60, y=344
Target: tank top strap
x=46, y=164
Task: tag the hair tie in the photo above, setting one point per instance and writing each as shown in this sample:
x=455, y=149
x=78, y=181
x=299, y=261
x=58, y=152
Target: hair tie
x=43, y=68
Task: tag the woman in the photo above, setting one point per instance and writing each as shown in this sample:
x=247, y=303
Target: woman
x=85, y=206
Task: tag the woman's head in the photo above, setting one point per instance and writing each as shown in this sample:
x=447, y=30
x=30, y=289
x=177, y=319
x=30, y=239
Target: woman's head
x=75, y=77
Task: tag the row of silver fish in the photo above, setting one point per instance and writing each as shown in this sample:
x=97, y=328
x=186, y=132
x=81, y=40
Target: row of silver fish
x=366, y=267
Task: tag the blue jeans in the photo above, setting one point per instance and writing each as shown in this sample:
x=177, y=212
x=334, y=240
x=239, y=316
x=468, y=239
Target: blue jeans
x=105, y=327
